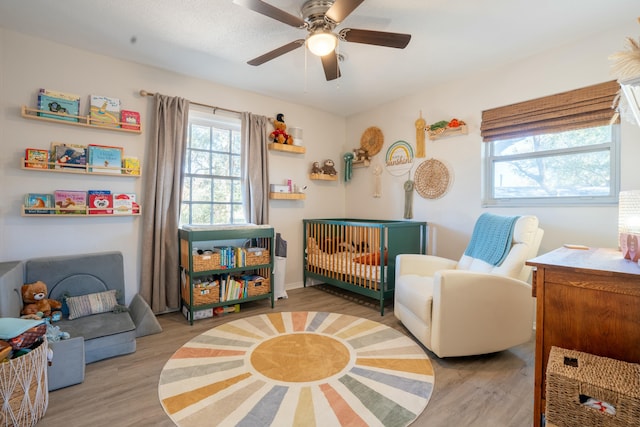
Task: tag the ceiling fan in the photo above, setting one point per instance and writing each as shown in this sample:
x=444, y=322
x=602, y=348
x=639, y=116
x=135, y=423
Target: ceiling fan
x=320, y=18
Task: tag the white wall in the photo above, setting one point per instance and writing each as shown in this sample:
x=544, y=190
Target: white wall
x=452, y=217
x=27, y=64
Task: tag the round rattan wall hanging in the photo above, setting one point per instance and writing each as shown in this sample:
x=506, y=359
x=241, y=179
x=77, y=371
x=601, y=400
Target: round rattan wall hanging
x=432, y=179
x=372, y=140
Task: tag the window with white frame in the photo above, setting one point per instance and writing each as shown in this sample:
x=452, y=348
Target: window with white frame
x=557, y=150
x=572, y=167
x=211, y=193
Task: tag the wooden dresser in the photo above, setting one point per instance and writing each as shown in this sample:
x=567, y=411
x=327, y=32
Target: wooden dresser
x=587, y=300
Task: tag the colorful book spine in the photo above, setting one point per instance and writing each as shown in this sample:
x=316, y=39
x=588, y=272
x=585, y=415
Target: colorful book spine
x=131, y=166
x=100, y=202
x=105, y=159
x=36, y=158
x=104, y=111
x=130, y=119
x=70, y=202
x=65, y=106
x=125, y=204
x=68, y=155
x=36, y=203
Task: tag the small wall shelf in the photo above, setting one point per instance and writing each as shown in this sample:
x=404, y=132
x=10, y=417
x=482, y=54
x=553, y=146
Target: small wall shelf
x=287, y=196
x=297, y=149
x=83, y=121
x=447, y=132
x=360, y=164
x=323, y=177
x=77, y=169
x=86, y=213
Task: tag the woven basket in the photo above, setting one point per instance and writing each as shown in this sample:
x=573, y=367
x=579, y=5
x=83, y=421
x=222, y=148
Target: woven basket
x=257, y=257
x=372, y=140
x=258, y=287
x=23, y=388
x=572, y=376
x=202, y=293
x=206, y=262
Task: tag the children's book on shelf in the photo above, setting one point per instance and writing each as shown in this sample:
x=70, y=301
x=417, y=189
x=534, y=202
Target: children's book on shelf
x=104, y=111
x=100, y=202
x=37, y=203
x=36, y=158
x=131, y=166
x=70, y=201
x=130, y=119
x=125, y=204
x=105, y=159
x=65, y=105
x=65, y=155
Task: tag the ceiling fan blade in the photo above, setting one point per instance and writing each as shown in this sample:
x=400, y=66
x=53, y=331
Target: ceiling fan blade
x=330, y=65
x=341, y=9
x=379, y=38
x=276, y=52
x=272, y=12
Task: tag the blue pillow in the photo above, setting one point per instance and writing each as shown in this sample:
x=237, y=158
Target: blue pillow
x=11, y=327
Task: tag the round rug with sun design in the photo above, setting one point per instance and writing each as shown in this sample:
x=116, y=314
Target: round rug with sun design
x=297, y=369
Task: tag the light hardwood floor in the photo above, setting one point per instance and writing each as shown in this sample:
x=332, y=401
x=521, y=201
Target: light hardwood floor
x=492, y=390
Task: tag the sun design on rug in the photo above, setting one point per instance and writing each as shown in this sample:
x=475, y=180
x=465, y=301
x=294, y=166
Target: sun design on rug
x=297, y=369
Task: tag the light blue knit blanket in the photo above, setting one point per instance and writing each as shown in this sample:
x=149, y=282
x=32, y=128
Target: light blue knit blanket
x=491, y=238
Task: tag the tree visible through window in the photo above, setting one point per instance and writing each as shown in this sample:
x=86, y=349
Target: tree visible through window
x=572, y=167
x=211, y=193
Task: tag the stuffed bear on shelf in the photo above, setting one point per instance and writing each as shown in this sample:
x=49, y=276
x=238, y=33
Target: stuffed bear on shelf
x=280, y=134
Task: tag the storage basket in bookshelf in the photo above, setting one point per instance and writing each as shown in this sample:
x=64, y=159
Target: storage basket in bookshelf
x=23, y=388
x=587, y=390
x=207, y=261
x=258, y=287
x=257, y=256
x=203, y=293
x=201, y=262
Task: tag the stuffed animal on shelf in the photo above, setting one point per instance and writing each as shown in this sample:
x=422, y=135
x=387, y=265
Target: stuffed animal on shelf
x=315, y=168
x=329, y=167
x=280, y=134
x=35, y=301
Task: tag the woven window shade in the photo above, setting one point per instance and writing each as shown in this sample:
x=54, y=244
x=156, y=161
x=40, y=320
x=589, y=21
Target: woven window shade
x=586, y=107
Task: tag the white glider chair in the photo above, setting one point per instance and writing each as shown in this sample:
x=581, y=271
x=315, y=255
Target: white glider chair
x=470, y=306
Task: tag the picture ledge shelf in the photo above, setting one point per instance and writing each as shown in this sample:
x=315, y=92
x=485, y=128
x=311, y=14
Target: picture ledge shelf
x=287, y=148
x=447, y=132
x=83, y=121
x=77, y=169
x=86, y=213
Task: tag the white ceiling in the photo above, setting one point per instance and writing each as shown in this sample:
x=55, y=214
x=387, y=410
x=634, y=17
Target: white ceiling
x=213, y=39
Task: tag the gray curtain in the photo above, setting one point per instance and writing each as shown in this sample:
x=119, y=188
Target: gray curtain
x=255, y=168
x=163, y=178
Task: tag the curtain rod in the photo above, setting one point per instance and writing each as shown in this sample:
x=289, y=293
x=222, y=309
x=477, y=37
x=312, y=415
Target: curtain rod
x=145, y=93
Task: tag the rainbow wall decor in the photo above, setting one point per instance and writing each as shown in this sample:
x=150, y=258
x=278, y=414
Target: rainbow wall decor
x=399, y=158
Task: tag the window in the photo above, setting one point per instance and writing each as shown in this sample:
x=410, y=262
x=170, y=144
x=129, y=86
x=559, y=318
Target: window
x=556, y=150
x=572, y=167
x=211, y=193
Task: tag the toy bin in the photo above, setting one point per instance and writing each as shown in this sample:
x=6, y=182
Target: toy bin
x=23, y=388
x=587, y=390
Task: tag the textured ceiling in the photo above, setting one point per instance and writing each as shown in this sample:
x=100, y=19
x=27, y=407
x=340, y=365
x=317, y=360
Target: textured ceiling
x=213, y=40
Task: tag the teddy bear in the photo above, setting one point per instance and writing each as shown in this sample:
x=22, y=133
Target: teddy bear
x=280, y=134
x=315, y=168
x=34, y=298
x=328, y=167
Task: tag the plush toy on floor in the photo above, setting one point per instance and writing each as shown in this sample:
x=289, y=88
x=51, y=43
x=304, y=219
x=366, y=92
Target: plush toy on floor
x=280, y=134
x=34, y=298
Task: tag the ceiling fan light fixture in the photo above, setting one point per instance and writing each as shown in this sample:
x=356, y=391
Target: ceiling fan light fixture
x=322, y=43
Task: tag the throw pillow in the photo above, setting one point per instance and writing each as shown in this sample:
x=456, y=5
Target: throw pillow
x=372, y=258
x=86, y=305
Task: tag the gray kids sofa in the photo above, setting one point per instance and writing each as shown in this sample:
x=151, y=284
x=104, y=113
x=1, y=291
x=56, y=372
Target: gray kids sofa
x=104, y=335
